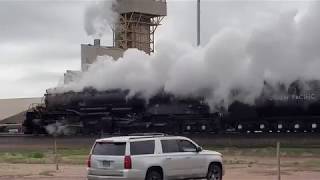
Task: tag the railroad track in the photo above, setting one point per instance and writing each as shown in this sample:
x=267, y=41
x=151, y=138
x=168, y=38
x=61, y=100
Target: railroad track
x=198, y=135
x=21, y=141
x=15, y=135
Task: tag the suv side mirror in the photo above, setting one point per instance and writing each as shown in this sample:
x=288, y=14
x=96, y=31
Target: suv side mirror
x=199, y=149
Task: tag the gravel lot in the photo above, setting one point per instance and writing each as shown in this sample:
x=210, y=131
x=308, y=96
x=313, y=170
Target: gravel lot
x=256, y=169
x=239, y=165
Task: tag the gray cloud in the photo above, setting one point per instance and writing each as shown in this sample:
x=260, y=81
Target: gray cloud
x=217, y=14
x=31, y=54
x=41, y=77
x=38, y=40
x=32, y=20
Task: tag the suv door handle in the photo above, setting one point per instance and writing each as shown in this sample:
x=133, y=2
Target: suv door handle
x=168, y=158
x=187, y=157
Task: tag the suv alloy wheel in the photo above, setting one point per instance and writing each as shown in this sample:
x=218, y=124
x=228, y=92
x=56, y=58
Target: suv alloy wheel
x=154, y=175
x=214, y=172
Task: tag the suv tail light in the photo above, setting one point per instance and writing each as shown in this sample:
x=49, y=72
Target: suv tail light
x=89, y=161
x=127, y=162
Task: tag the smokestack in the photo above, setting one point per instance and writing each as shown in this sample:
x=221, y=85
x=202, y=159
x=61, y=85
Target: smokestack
x=96, y=42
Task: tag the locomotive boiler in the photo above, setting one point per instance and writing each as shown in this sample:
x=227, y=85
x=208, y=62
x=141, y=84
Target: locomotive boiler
x=92, y=112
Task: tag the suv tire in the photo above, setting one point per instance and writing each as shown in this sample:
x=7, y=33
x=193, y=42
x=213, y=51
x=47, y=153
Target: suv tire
x=214, y=172
x=154, y=175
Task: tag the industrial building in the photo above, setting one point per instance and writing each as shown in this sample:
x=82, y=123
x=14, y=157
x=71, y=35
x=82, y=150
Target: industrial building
x=13, y=111
x=136, y=26
x=89, y=53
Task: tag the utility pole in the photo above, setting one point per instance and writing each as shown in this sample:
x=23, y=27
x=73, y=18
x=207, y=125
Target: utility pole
x=198, y=23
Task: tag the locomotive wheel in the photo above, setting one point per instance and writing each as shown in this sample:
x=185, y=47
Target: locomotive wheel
x=241, y=128
x=263, y=127
x=297, y=127
x=204, y=128
x=314, y=127
x=188, y=128
x=280, y=127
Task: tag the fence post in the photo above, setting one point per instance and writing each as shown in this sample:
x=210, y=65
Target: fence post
x=278, y=159
x=56, y=153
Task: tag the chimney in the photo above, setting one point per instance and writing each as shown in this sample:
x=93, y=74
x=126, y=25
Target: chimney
x=96, y=42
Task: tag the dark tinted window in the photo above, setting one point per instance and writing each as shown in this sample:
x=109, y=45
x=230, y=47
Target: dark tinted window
x=187, y=146
x=106, y=148
x=142, y=147
x=169, y=146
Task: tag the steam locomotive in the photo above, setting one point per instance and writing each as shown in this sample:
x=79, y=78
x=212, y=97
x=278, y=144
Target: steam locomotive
x=278, y=109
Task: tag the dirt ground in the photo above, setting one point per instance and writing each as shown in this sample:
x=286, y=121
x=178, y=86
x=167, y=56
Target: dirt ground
x=242, y=164
x=236, y=169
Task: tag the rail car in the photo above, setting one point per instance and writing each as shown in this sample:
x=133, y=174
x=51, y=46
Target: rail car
x=283, y=109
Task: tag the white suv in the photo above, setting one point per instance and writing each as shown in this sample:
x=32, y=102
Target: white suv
x=152, y=157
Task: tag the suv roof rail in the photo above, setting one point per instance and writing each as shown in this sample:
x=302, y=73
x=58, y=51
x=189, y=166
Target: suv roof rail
x=148, y=134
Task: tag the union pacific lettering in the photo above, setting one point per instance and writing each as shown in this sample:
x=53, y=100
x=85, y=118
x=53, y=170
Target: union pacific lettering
x=303, y=97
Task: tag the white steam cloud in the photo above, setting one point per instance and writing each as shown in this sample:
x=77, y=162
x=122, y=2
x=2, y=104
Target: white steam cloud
x=233, y=59
x=100, y=18
x=56, y=129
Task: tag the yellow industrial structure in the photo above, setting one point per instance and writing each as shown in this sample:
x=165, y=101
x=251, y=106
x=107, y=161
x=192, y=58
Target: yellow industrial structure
x=138, y=22
x=135, y=28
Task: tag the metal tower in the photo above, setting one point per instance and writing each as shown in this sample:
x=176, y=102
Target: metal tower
x=198, y=23
x=138, y=21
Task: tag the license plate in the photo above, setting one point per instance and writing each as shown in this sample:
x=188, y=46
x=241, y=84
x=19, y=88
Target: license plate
x=106, y=164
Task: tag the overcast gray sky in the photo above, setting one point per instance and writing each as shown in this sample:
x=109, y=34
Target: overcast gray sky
x=40, y=39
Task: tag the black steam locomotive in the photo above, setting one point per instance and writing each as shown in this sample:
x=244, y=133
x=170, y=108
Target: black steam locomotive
x=282, y=109
x=91, y=112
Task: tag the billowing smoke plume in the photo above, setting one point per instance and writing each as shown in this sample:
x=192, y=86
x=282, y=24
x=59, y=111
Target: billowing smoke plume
x=233, y=65
x=100, y=18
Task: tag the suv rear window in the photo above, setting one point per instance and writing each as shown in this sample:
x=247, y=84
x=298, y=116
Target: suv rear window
x=109, y=148
x=142, y=147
